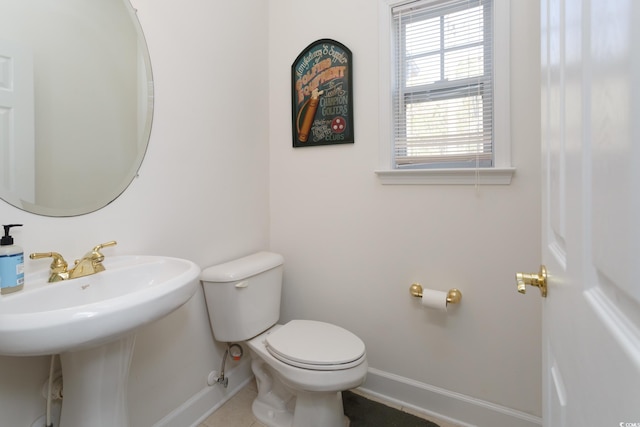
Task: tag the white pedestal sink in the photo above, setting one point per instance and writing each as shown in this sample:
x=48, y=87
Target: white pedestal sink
x=91, y=322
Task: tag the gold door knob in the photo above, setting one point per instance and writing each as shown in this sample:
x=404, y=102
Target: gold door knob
x=534, y=279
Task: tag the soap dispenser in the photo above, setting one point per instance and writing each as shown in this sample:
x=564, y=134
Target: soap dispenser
x=11, y=263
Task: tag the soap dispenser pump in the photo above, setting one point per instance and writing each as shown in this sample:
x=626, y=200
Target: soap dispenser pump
x=11, y=263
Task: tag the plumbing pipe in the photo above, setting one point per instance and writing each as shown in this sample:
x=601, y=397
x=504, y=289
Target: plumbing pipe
x=48, y=421
x=235, y=355
x=221, y=379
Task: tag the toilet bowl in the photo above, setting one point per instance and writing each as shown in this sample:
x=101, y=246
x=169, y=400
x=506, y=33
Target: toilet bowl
x=301, y=367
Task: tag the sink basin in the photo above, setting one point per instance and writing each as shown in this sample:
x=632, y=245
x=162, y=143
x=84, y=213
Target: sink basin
x=49, y=318
x=91, y=322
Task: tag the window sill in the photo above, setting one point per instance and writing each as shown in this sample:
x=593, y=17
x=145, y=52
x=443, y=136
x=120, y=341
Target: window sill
x=484, y=176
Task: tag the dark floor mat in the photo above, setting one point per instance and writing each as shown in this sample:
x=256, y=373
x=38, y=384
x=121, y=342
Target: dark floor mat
x=366, y=413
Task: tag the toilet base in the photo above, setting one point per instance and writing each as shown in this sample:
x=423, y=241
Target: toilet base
x=310, y=410
x=277, y=406
x=319, y=410
x=270, y=416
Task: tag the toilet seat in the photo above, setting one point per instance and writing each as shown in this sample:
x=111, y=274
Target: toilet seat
x=315, y=345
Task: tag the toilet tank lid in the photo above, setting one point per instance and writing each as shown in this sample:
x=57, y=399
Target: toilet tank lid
x=242, y=268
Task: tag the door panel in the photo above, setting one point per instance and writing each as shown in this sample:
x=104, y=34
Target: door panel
x=17, y=140
x=590, y=78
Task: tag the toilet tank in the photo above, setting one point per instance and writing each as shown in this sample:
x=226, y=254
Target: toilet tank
x=243, y=296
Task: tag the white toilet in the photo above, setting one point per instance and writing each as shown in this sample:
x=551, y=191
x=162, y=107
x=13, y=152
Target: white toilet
x=301, y=367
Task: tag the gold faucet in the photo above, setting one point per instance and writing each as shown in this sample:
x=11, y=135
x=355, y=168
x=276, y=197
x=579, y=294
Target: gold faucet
x=90, y=263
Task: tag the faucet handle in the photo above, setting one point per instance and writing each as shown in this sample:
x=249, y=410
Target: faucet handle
x=104, y=245
x=95, y=255
x=58, y=265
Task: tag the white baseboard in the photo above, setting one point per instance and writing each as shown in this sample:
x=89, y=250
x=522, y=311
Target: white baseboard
x=400, y=391
x=443, y=404
x=202, y=404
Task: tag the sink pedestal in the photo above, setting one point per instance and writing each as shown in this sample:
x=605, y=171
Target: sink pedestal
x=95, y=385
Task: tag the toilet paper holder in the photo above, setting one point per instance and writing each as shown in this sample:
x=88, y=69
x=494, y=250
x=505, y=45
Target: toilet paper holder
x=454, y=296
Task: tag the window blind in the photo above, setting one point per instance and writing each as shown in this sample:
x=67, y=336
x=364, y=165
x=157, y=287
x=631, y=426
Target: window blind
x=443, y=84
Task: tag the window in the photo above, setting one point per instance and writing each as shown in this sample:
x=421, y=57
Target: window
x=442, y=97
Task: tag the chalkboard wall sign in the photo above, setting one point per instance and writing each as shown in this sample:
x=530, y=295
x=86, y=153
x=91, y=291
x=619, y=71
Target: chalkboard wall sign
x=322, y=95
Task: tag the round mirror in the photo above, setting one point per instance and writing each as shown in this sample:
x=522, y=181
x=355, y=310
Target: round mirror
x=76, y=102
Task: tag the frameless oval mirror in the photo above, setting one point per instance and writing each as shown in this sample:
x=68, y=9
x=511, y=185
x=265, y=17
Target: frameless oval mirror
x=76, y=101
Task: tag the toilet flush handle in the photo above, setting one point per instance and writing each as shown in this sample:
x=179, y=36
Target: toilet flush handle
x=242, y=284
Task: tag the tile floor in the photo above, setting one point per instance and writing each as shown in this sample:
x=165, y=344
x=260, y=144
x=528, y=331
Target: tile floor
x=237, y=411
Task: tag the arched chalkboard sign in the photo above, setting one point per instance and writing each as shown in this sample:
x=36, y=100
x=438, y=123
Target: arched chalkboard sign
x=322, y=95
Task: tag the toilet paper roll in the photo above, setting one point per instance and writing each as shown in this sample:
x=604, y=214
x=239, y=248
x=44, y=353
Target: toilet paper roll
x=434, y=299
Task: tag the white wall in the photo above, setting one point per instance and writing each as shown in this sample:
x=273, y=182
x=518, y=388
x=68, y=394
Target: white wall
x=202, y=194
x=353, y=246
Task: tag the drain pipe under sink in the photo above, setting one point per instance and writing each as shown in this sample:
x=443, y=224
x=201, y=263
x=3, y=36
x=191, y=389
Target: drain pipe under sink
x=49, y=423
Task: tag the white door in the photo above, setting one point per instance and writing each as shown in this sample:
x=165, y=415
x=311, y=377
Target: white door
x=17, y=134
x=590, y=75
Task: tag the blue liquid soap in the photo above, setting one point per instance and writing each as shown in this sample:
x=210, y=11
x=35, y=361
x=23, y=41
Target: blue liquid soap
x=11, y=263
